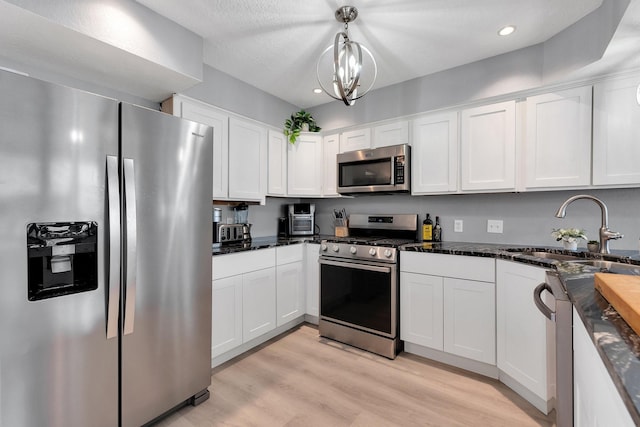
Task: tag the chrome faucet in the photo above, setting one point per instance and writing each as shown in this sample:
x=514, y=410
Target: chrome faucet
x=605, y=233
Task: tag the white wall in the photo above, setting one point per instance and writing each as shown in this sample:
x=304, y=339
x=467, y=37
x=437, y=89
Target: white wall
x=231, y=94
x=528, y=217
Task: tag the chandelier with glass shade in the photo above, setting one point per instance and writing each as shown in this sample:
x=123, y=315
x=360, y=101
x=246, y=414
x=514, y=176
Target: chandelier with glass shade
x=346, y=70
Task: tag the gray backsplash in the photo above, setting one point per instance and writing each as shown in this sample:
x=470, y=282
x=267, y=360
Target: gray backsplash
x=528, y=217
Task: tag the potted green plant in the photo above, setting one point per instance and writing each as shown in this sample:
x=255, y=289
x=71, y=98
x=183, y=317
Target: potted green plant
x=569, y=237
x=299, y=122
x=593, y=245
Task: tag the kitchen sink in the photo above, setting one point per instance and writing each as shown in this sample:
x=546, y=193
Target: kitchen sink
x=611, y=266
x=549, y=255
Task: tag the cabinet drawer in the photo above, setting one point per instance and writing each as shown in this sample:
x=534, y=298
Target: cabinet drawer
x=458, y=266
x=289, y=254
x=244, y=262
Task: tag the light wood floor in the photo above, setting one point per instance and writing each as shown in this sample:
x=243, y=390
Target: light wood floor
x=302, y=379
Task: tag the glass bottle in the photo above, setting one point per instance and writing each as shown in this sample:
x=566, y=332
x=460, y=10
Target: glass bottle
x=427, y=229
x=437, y=231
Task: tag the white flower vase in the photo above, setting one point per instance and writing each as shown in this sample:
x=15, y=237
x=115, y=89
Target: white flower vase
x=305, y=127
x=570, y=245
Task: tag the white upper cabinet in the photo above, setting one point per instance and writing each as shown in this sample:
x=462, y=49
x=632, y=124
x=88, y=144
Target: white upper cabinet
x=487, y=145
x=247, y=160
x=434, y=154
x=277, y=164
x=305, y=166
x=358, y=139
x=558, y=139
x=391, y=134
x=616, y=132
x=330, y=150
x=200, y=112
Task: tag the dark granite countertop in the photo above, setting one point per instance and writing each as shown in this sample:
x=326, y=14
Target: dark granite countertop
x=262, y=243
x=615, y=341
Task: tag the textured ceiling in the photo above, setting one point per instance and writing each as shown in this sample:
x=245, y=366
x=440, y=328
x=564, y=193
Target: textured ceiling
x=274, y=44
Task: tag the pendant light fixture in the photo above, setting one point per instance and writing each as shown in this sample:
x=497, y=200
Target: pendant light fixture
x=350, y=72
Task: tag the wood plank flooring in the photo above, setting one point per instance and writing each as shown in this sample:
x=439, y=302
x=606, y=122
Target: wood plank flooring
x=301, y=379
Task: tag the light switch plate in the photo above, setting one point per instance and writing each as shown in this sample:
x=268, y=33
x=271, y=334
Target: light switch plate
x=457, y=225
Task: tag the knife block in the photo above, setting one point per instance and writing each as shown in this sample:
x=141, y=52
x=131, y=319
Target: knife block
x=342, y=231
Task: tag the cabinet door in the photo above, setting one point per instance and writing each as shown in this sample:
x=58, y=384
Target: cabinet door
x=290, y=302
x=470, y=319
x=355, y=140
x=488, y=147
x=312, y=275
x=434, y=154
x=330, y=150
x=205, y=114
x=247, y=160
x=259, y=303
x=226, y=315
x=305, y=166
x=421, y=310
x=616, y=132
x=558, y=145
x=596, y=400
x=391, y=134
x=524, y=336
x=277, y=167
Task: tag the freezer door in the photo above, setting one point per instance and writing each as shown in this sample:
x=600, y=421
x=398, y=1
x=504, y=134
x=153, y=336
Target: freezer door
x=57, y=367
x=167, y=300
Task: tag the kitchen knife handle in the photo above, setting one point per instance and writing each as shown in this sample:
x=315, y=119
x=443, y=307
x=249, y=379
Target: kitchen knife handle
x=113, y=292
x=131, y=257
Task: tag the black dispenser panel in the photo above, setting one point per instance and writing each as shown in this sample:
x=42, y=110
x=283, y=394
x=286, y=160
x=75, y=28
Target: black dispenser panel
x=63, y=258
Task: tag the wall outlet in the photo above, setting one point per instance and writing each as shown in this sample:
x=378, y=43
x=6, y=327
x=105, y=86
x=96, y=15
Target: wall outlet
x=457, y=225
x=494, y=226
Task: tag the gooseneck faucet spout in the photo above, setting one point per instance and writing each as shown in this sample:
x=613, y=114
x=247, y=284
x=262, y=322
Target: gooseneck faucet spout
x=605, y=233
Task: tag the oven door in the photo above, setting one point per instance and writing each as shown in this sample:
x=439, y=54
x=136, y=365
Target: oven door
x=360, y=294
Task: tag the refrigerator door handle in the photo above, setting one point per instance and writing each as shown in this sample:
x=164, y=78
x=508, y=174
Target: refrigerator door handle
x=130, y=210
x=113, y=200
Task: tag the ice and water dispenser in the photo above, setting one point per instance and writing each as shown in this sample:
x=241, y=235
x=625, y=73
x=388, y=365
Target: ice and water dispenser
x=63, y=258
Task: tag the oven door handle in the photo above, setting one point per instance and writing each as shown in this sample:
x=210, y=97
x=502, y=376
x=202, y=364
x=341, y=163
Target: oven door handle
x=358, y=265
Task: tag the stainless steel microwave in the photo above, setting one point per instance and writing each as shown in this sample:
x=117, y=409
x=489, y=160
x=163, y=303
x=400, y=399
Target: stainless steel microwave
x=384, y=170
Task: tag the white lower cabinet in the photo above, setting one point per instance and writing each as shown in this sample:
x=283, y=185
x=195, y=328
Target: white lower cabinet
x=525, y=337
x=470, y=319
x=243, y=298
x=226, y=315
x=596, y=401
x=447, y=303
x=258, y=303
x=290, y=289
x=421, y=313
x=312, y=279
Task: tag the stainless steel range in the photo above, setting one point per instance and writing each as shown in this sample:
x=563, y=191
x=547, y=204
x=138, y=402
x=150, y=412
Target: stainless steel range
x=359, y=292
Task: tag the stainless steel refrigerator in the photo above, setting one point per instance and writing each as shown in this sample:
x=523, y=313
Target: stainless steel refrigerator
x=105, y=258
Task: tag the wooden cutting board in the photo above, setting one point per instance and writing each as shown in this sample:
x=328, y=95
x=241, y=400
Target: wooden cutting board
x=623, y=293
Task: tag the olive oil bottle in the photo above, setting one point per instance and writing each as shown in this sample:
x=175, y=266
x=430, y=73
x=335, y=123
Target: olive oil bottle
x=427, y=229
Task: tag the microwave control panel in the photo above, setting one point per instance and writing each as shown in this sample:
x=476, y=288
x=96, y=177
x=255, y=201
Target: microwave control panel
x=399, y=169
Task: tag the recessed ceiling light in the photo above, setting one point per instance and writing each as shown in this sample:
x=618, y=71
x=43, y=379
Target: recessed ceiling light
x=505, y=31
x=317, y=90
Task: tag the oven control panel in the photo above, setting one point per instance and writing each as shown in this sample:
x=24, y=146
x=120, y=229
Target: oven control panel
x=358, y=251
